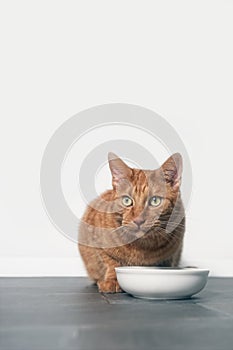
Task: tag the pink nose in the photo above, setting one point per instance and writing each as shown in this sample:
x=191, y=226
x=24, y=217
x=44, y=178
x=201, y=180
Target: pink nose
x=139, y=221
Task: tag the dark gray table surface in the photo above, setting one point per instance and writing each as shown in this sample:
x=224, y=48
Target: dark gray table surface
x=68, y=313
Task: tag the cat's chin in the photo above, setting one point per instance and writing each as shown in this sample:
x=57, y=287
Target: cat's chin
x=144, y=234
x=140, y=234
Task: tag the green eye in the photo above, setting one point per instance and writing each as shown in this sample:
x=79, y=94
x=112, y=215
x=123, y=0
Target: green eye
x=127, y=201
x=155, y=201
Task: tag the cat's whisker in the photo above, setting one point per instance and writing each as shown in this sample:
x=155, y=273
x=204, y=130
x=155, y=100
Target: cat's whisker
x=116, y=229
x=162, y=235
x=174, y=226
x=173, y=222
x=166, y=234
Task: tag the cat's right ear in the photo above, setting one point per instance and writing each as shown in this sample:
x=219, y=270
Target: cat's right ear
x=172, y=170
x=120, y=171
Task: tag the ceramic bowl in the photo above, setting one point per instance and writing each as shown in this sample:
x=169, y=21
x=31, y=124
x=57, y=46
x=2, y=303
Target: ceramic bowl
x=161, y=283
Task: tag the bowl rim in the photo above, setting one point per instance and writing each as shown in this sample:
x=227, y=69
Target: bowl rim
x=160, y=270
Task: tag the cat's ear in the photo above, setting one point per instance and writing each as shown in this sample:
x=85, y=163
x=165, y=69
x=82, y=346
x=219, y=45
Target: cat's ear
x=120, y=171
x=172, y=170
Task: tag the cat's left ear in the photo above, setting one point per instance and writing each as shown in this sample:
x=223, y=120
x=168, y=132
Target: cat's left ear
x=120, y=171
x=172, y=170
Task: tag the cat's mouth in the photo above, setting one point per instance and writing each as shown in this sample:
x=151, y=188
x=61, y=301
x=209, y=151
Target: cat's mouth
x=144, y=231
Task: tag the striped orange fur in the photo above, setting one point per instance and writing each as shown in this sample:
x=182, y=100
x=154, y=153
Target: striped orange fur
x=148, y=232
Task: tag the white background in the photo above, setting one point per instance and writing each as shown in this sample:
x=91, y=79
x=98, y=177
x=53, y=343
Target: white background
x=60, y=57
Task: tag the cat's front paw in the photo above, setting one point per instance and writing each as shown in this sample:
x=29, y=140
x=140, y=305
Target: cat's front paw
x=109, y=286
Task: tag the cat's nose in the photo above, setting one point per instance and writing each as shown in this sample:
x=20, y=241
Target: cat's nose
x=139, y=221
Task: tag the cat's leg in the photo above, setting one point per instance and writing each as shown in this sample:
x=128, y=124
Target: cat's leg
x=100, y=268
x=93, y=262
x=109, y=283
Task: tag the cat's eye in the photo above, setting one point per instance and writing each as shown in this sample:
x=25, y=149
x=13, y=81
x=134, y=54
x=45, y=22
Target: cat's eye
x=127, y=201
x=155, y=201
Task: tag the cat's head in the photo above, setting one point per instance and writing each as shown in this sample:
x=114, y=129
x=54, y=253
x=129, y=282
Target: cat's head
x=146, y=198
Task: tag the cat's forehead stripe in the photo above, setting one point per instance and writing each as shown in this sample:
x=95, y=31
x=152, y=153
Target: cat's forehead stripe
x=141, y=184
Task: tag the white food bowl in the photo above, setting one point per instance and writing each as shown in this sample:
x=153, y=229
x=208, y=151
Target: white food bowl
x=161, y=283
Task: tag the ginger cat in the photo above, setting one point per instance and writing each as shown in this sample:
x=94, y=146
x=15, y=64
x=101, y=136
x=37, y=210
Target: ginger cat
x=140, y=222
